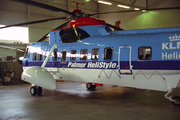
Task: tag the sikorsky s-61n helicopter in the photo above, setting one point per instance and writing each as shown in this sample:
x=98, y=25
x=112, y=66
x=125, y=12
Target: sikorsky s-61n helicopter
x=88, y=51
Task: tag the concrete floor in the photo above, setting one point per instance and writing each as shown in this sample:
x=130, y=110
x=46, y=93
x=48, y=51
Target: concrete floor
x=71, y=101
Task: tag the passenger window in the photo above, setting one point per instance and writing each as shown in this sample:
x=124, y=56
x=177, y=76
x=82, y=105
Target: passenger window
x=144, y=53
x=83, y=54
x=40, y=57
x=108, y=53
x=34, y=56
x=54, y=55
x=73, y=55
x=95, y=54
x=63, y=56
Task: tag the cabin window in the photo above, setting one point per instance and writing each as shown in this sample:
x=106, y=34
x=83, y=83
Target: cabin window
x=34, y=56
x=144, y=53
x=40, y=57
x=54, y=55
x=83, y=54
x=63, y=56
x=73, y=35
x=73, y=55
x=95, y=54
x=108, y=53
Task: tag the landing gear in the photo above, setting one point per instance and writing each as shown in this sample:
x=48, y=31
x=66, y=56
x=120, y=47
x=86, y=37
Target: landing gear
x=33, y=90
x=174, y=100
x=36, y=90
x=90, y=86
x=39, y=91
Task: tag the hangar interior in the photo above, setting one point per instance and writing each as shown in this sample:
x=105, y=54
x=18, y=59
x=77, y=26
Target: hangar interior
x=13, y=12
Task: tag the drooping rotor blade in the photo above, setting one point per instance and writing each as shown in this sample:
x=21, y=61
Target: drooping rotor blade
x=41, y=5
x=112, y=26
x=59, y=27
x=32, y=22
x=111, y=12
x=169, y=8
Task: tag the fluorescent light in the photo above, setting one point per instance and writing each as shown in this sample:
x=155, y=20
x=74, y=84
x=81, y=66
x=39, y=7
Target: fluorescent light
x=136, y=9
x=104, y=2
x=143, y=10
x=123, y=6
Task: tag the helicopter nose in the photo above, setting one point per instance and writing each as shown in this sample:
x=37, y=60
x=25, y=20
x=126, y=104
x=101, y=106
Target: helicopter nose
x=39, y=76
x=20, y=60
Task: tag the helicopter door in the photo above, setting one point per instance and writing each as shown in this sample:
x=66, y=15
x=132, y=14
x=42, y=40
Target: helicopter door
x=124, y=60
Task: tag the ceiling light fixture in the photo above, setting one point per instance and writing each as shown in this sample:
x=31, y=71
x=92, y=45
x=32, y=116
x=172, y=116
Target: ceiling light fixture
x=104, y=2
x=136, y=9
x=123, y=6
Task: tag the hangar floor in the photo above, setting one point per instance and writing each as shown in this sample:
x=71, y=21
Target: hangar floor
x=71, y=101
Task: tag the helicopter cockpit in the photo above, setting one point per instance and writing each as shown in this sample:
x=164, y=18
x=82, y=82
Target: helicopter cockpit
x=72, y=35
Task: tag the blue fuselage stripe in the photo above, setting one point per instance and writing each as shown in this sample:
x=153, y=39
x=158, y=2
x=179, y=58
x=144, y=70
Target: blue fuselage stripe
x=144, y=65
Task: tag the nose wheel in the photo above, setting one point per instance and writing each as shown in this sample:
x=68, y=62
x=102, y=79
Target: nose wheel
x=36, y=90
x=176, y=101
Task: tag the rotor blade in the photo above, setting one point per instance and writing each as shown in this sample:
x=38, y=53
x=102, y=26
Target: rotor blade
x=41, y=5
x=32, y=22
x=111, y=12
x=112, y=26
x=59, y=27
x=170, y=8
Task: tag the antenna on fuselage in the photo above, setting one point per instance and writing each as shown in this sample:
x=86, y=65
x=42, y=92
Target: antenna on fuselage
x=48, y=56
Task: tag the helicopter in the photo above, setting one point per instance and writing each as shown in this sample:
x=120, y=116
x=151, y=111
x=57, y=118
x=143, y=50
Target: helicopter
x=90, y=52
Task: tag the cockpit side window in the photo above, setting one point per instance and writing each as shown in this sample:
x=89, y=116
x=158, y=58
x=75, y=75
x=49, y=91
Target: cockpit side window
x=73, y=35
x=34, y=56
x=26, y=55
x=39, y=56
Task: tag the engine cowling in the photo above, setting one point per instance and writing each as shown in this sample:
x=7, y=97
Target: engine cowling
x=39, y=76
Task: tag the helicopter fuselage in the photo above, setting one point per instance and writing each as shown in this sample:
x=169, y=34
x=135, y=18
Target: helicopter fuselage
x=144, y=59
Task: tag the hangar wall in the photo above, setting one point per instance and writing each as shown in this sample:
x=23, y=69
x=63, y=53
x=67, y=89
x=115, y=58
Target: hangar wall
x=143, y=20
x=14, y=66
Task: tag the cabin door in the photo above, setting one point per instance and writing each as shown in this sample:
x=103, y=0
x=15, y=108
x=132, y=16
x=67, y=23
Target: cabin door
x=124, y=60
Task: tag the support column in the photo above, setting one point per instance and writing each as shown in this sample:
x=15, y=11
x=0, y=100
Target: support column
x=28, y=19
